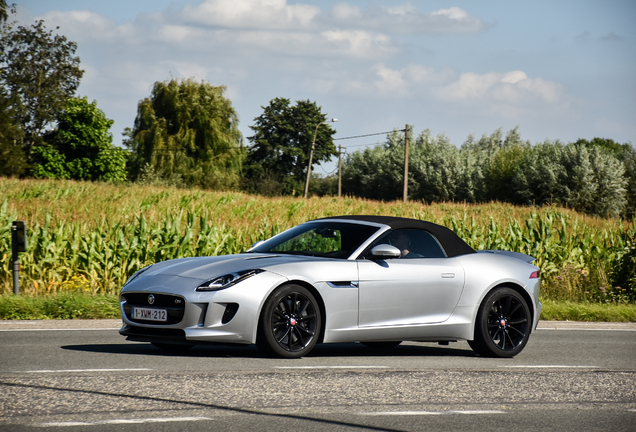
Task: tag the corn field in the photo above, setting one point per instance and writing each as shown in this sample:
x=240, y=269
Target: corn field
x=90, y=237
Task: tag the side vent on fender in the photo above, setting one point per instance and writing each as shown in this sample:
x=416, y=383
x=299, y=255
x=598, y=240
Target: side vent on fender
x=343, y=284
x=230, y=311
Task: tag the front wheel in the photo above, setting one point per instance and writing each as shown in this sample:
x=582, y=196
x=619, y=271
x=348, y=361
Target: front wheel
x=503, y=324
x=290, y=322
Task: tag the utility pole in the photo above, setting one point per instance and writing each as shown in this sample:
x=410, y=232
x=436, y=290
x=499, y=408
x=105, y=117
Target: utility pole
x=339, y=170
x=406, y=164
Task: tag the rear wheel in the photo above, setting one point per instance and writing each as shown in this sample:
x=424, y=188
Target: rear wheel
x=290, y=322
x=503, y=324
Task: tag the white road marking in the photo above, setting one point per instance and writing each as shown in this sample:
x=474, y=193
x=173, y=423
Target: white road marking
x=587, y=329
x=59, y=329
x=86, y=370
x=549, y=367
x=330, y=367
x=124, y=421
x=412, y=413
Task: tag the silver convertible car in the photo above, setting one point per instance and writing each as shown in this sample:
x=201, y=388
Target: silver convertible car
x=377, y=280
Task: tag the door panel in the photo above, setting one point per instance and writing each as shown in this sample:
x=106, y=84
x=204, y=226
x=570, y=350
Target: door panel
x=408, y=291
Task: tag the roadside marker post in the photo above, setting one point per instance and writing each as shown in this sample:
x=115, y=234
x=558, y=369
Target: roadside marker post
x=18, y=244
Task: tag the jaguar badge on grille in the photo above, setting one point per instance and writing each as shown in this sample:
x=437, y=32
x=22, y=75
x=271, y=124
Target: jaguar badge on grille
x=151, y=299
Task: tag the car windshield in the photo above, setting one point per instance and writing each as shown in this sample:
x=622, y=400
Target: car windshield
x=325, y=239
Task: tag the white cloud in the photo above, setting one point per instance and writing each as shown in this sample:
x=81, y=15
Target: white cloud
x=391, y=81
x=407, y=19
x=87, y=26
x=344, y=11
x=510, y=87
x=253, y=14
x=360, y=44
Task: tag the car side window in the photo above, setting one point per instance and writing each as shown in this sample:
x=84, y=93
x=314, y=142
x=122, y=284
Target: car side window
x=413, y=243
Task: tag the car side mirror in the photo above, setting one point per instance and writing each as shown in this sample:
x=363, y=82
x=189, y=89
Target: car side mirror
x=385, y=251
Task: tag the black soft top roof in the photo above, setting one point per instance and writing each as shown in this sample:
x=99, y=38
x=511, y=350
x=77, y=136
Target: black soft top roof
x=453, y=245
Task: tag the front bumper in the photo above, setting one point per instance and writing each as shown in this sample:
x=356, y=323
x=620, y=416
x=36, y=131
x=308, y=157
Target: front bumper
x=225, y=316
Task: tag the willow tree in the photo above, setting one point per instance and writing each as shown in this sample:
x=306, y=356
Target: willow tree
x=187, y=133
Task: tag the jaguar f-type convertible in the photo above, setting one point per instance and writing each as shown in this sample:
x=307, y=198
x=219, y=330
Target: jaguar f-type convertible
x=377, y=280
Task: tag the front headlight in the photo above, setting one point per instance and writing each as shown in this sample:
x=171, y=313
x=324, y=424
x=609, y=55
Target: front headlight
x=228, y=280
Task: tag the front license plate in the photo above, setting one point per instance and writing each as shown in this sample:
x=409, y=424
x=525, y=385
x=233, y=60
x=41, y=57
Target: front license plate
x=150, y=314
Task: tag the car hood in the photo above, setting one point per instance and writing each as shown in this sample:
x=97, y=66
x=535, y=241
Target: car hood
x=205, y=268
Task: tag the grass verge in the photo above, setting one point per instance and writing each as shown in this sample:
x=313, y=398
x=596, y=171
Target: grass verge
x=59, y=306
x=590, y=312
x=87, y=306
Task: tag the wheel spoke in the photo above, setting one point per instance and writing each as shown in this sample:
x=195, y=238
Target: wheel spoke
x=522, y=334
x=306, y=318
x=277, y=324
x=493, y=337
x=506, y=306
x=279, y=340
x=299, y=337
x=303, y=307
x=293, y=301
x=511, y=313
x=280, y=311
x=512, y=343
x=502, y=339
x=290, y=333
x=306, y=330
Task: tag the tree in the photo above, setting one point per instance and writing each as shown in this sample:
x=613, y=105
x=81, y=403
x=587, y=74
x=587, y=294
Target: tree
x=627, y=155
x=543, y=173
x=80, y=147
x=5, y=9
x=12, y=159
x=282, y=142
x=188, y=132
x=434, y=168
x=39, y=72
x=376, y=172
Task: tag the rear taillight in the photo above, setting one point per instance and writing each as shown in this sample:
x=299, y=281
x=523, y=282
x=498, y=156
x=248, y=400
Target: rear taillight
x=535, y=275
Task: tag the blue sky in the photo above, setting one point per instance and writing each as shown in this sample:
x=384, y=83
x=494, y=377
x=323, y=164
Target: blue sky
x=556, y=69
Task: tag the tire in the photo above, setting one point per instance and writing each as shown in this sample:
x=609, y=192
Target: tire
x=289, y=324
x=172, y=347
x=503, y=324
x=381, y=346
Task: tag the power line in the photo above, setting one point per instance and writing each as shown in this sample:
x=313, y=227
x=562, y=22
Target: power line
x=360, y=136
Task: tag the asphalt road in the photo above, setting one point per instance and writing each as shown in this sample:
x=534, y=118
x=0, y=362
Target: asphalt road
x=81, y=375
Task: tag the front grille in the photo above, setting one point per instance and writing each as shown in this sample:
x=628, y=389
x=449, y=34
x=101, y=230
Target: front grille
x=174, y=306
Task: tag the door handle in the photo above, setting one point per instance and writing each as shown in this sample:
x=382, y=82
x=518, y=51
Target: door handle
x=448, y=275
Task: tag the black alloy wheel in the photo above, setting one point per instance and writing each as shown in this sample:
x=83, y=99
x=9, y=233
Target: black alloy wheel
x=290, y=322
x=503, y=324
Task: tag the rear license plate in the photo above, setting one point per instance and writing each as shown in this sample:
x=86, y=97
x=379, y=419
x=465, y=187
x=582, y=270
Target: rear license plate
x=150, y=314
